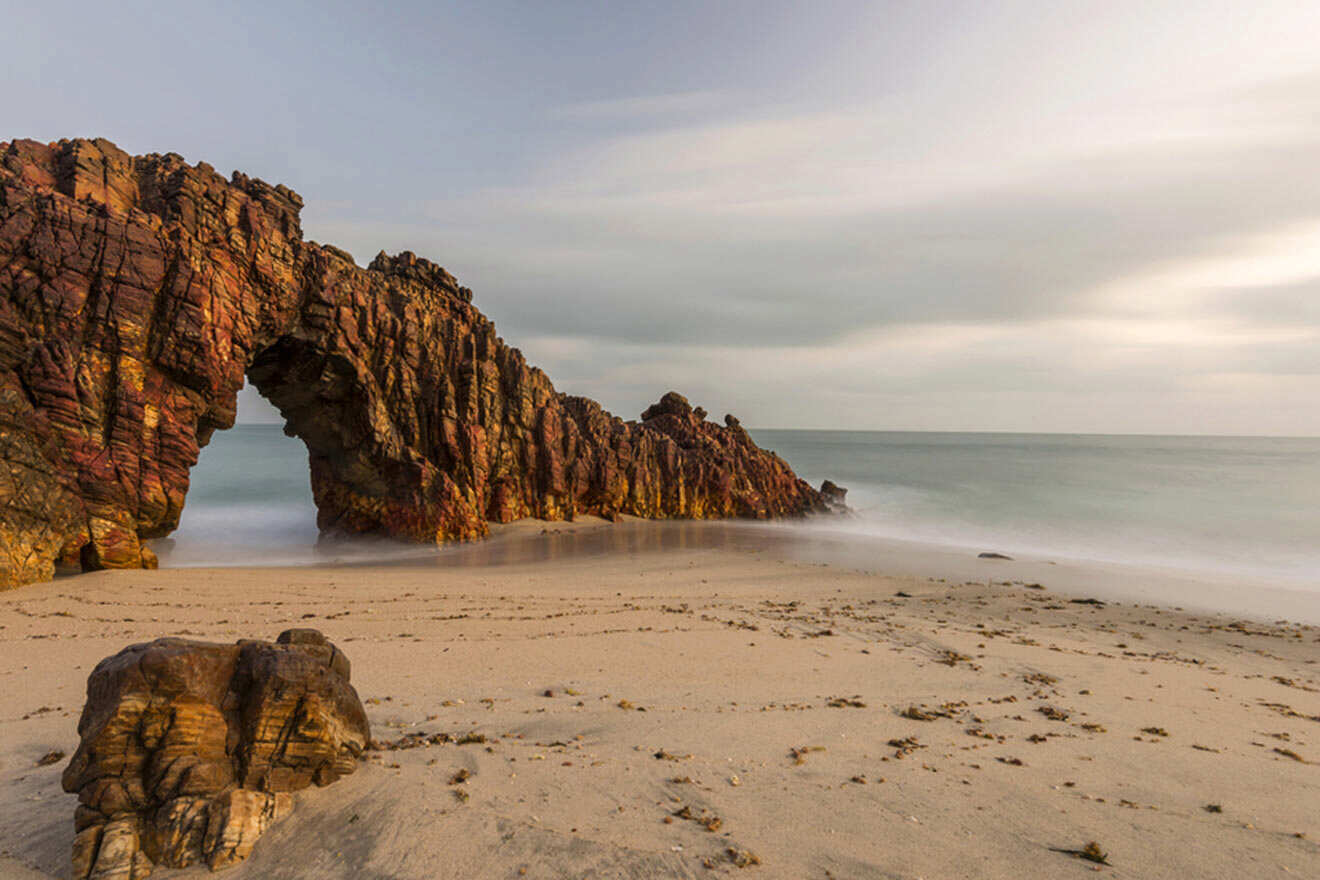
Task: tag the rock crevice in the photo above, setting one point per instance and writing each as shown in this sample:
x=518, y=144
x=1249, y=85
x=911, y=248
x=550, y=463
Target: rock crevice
x=137, y=293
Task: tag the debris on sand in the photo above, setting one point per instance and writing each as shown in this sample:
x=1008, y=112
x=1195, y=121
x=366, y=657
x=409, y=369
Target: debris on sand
x=54, y=756
x=1091, y=853
x=905, y=746
x=743, y=858
x=799, y=754
x=1287, y=711
x=705, y=818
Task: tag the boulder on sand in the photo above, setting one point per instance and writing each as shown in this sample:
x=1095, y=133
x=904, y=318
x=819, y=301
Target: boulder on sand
x=190, y=750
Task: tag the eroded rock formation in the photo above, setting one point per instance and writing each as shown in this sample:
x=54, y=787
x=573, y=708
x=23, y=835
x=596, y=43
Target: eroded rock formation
x=190, y=750
x=137, y=292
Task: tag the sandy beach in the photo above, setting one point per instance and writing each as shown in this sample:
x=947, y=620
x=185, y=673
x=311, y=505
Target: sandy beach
x=584, y=441
x=671, y=710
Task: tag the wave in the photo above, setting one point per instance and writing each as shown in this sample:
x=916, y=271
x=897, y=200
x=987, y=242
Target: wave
x=1223, y=505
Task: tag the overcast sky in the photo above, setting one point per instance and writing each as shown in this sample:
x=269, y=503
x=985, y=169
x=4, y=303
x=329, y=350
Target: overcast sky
x=1049, y=216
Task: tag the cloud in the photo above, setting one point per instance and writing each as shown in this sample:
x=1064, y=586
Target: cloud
x=643, y=107
x=1060, y=375
x=1031, y=207
x=730, y=264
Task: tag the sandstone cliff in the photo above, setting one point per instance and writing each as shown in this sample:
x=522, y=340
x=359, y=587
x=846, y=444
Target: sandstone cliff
x=136, y=293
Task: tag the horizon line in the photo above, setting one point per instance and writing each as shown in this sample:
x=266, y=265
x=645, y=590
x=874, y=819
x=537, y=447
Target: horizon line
x=278, y=424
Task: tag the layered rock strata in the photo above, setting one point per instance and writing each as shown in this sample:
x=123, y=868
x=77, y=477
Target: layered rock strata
x=136, y=293
x=190, y=750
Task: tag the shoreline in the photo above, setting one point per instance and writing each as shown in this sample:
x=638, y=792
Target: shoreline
x=779, y=688
x=1271, y=599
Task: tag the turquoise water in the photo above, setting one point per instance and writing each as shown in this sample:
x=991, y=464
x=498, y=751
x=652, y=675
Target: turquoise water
x=1224, y=504
x=250, y=500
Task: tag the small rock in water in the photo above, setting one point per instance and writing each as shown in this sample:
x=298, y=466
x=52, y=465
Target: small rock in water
x=833, y=495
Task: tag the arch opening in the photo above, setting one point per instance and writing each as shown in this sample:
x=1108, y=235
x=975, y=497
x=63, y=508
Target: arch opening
x=249, y=497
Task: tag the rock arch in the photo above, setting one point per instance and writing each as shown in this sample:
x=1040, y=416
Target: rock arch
x=136, y=293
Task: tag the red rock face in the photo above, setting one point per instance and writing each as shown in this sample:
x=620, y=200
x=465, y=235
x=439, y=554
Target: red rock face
x=137, y=292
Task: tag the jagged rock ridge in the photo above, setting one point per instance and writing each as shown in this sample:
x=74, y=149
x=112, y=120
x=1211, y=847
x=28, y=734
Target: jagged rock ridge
x=137, y=292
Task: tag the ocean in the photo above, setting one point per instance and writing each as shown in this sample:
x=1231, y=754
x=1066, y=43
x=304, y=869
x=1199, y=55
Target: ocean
x=1229, y=505
x=1224, y=505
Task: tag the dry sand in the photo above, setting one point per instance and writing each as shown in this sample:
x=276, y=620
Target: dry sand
x=621, y=693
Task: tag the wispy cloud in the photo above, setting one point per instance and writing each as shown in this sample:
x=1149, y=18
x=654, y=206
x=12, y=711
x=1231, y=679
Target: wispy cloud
x=648, y=108
x=1119, y=210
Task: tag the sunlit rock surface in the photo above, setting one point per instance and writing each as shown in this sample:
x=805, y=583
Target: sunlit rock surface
x=136, y=293
x=190, y=750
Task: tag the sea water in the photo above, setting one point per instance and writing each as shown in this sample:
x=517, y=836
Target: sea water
x=1227, y=505
x=1231, y=505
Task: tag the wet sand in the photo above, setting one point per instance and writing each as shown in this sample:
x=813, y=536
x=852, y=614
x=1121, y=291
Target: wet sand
x=659, y=706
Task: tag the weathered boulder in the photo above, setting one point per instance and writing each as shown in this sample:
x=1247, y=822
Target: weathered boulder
x=137, y=293
x=190, y=750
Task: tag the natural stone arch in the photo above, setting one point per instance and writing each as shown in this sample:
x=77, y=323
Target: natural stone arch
x=137, y=292
x=319, y=398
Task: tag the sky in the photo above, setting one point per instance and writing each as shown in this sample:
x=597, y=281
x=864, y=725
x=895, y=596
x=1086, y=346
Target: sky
x=939, y=215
